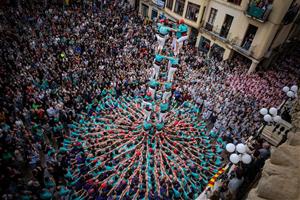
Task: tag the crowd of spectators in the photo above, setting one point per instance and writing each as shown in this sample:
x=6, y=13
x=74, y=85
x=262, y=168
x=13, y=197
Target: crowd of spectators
x=55, y=62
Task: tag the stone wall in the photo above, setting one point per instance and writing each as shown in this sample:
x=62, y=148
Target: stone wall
x=281, y=174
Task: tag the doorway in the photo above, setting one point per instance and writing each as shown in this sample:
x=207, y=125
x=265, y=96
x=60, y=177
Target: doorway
x=226, y=26
x=193, y=36
x=154, y=14
x=204, y=44
x=249, y=37
x=217, y=52
x=145, y=10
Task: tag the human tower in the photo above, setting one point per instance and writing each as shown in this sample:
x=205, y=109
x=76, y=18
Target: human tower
x=143, y=148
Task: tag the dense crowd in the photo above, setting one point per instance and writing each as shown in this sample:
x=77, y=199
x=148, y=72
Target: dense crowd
x=55, y=64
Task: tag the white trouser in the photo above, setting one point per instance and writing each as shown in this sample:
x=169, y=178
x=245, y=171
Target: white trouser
x=161, y=41
x=152, y=92
x=174, y=43
x=169, y=65
x=155, y=73
x=167, y=95
x=180, y=42
x=171, y=73
x=145, y=103
x=162, y=117
x=147, y=114
x=182, y=39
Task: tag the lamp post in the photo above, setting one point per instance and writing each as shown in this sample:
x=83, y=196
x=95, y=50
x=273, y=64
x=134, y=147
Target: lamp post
x=270, y=115
x=238, y=153
x=291, y=93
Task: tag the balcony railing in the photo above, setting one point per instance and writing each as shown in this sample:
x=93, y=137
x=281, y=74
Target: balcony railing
x=216, y=31
x=242, y=46
x=236, y=43
x=259, y=11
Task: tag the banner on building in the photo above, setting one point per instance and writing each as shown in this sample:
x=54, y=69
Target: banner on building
x=159, y=3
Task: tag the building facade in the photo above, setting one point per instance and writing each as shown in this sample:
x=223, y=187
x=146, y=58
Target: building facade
x=253, y=29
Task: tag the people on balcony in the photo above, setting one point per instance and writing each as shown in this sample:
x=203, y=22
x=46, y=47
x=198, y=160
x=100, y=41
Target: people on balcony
x=248, y=42
x=260, y=8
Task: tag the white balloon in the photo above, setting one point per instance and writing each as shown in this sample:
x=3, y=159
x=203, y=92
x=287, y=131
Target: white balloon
x=263, y=111
x=294, y=88
x=285, y=89
x=234, y=158
x=241, y=148
x=290, y=94
x=267, y=118
x=277, y=118
x=246, y=158
x=230, y=147
x=273, y=111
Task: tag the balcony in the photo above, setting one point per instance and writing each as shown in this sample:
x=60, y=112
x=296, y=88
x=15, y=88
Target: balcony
x=259, y=11
x=244, y=47
x=216, y=32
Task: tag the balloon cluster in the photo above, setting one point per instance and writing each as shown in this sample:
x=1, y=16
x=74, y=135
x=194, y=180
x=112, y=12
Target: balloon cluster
x=270, y=115
x=238, y=153
x=291, y=92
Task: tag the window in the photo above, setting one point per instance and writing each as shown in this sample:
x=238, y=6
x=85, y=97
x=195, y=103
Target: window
x=210, y=22
x=217, y=52
x=212, y=16
x=204, y=44
x=145, y=9
x=179, y=7
x=193, y=36
x=154, y=14
x=192, y=11
x=249, y=37
x=226, y=26
x=237, y=2
x=170, y=4
x=291, y=13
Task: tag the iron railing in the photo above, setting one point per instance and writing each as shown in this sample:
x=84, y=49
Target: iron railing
x=236, y=43
x=259, y=11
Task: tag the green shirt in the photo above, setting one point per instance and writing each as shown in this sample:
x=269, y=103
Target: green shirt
x=164, y=107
